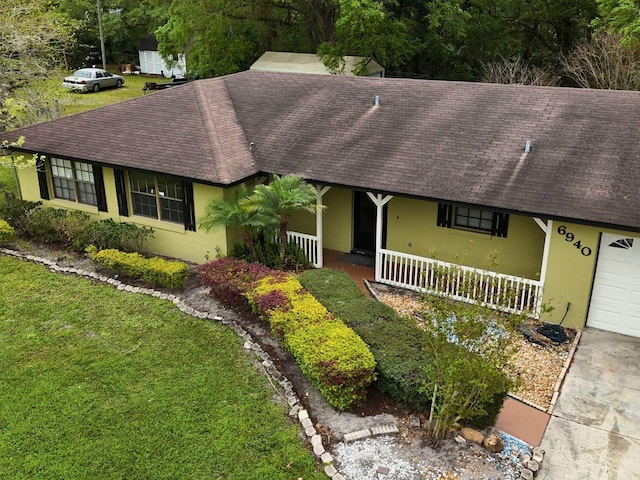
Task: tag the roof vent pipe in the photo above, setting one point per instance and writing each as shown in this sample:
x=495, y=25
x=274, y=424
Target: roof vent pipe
x=377, y=101
x=527, y=146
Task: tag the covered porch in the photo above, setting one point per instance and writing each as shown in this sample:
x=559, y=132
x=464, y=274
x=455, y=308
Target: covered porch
x=419, y=272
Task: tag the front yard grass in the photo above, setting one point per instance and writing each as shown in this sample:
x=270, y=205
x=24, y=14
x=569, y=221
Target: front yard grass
x=73, y=102
x=102, y=384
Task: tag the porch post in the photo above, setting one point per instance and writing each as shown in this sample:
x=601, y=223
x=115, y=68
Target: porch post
x=320, y=191
x=379, y=202
x=545, y=254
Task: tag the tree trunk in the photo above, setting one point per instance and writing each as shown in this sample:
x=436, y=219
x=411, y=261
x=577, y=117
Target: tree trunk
x=247, y=238
x=284, y=223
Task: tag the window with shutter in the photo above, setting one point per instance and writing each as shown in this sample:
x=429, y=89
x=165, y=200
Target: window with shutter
x=486, y=221
x=163, y=198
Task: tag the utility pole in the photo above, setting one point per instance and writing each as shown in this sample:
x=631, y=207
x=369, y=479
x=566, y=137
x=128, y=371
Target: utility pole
x=104, y=57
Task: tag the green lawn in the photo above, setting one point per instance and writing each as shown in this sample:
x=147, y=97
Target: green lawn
x=72, y=102
x=101, y=384
x=7, y=182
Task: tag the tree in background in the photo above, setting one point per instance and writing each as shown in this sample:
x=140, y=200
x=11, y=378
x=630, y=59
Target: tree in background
x=620, y=18
x=223, y=36
x=517, y=71
x=124, y=23
x=367, y=28
x=605, y=61
x=537, y=31
x=33, y=39
x=446, y=39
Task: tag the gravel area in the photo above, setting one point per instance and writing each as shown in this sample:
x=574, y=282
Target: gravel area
x=538, y=366
x=409, y=460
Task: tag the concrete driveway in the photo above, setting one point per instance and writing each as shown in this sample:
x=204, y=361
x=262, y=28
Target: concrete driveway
x=594, y=432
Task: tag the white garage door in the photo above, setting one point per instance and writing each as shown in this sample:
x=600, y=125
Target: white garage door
x=615, y=301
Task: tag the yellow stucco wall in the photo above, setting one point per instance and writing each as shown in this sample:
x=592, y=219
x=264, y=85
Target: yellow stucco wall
x=170, y=238
x=337, y=220
x=570, y=274
x=412, y=228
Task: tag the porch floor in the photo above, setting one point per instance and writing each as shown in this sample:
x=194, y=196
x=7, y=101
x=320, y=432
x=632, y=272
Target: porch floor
x=516, y=418
x=357, y=272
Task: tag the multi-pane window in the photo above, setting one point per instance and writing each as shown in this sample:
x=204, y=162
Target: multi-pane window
x=73, y=181
x=487, y=221
x=474, y=218
x=157, y=197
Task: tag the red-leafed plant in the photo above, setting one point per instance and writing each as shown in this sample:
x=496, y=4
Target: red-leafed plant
x=229, y=279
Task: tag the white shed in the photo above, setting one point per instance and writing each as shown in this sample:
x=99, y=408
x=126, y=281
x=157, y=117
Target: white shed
x=151, y=62
x=309, y=63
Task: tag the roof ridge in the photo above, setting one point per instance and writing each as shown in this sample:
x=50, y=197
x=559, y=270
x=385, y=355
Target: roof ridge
x=209, y=126
x=212, y=96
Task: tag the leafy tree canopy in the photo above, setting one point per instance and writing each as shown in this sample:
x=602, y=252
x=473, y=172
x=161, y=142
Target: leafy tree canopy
x=124, y=23
x=33, y=39
x=620, y=17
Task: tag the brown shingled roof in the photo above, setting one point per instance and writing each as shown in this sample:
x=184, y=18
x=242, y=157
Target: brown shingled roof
x=450, y=141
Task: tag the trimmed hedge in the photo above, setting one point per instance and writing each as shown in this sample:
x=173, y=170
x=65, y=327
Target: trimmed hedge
x=156, y=271
x=401, y=349
x=329, y=353
x=6, y=232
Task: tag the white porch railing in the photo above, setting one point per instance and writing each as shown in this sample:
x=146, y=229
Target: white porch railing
x=308, y=244
x=494, y=290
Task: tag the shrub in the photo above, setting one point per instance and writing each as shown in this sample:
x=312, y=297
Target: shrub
x=396, y=342
x=156, y=271
x=53, y=225
x=43, y=224
x=230, y=278
x=74, y=228
x=268, y=253
x=410, y=360
x=108, y=234
x=473, y=343
x=329, y=353
x=6, y=232
x=274, y=300
x=17, y=212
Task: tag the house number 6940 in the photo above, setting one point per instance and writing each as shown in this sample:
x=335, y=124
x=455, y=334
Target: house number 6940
x=570, y=237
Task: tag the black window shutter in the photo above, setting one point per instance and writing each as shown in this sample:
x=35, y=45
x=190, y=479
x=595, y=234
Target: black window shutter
x=189, y=208
x=121, y=193
x=500, y=224
x=445, y=215
x=42, y=179
x=101, y=196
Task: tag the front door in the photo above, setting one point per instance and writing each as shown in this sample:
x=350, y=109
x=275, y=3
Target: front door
x=364, y=224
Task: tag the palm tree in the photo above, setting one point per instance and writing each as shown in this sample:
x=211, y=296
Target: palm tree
x=281, y=198
x=236, y=211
